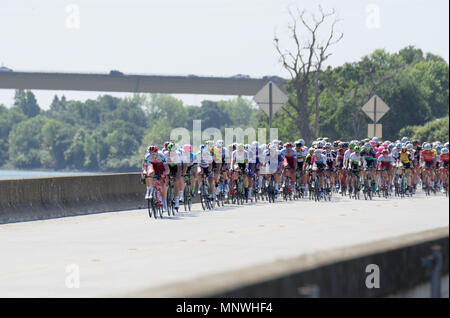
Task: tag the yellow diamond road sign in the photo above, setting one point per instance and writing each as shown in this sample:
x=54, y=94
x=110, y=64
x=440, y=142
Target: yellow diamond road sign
x=375, y=108
x=278, y=98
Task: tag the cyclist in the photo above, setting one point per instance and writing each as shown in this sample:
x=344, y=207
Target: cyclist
x=444, y=166
x=319, y=165
x=239, y=161
x=253, y=167
x=174, y=160
x=222, y=158
x=404, y=161
x=330, y=156
x=342, y=148
x=354, y=163
x=302, y=152
x=189, y=166
x=289, y=165
x=427, y=161
x=272, y=160
x=154, y=165
x=385, y=162
x=204, y=167
x=368, y=155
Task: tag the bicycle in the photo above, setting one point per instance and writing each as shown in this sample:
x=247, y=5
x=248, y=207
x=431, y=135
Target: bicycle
x=384, y=184
x=155, y=203
x=355, y=179
x=171, y=197
x=427, y=184
x=187, y=193
x=204, y=194
x=238, y=190
x=368, y=188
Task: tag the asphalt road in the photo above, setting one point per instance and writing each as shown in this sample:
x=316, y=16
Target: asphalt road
x=112, y=254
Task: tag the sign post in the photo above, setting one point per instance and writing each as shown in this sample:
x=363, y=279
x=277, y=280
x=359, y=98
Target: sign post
x=375, y=108
x=270, y=99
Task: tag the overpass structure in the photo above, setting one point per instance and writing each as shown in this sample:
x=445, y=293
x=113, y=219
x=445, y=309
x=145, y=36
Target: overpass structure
x=118, y=82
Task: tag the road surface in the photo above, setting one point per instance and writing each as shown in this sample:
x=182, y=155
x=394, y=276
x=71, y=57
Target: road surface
x=119, y=253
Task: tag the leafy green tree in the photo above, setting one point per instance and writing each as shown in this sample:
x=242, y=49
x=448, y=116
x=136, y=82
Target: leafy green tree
x=437, y=129
x=26, y=101
x=25, y=142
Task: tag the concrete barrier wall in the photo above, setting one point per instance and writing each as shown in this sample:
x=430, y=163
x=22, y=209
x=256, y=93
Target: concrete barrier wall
x=337, y=273
x=42, y=198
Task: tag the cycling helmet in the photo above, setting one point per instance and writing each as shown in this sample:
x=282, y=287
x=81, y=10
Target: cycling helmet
x=409, y=146
x=152, y=149
x=298, y=144
x=171, y=146
x=373, y=143
x=327, y=145
x=399, y=146
x=390, y=147
x=317, y=152
x=255, y=145
x=321, y=144
x=288, y=145
x=444, y=151
x=404, y=140
x=311, y=150
x=446, y=145
x=375, y=139
x=367, y=146
x=438, y=149
x=385, y=152
x=325, y=139
x=166, y=144
x=301, y=141
x=427, y=147
x=415, y=142
x=351, y=145
x=246, y=147
x=220, y=143
x=345, y=145
x=187, y=148
x=357, y=149
x=240, y=147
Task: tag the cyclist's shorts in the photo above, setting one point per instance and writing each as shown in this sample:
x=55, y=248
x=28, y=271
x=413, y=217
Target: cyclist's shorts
x=158, y=168
x=289, y=161
x=340, y=164
x=300, y=166
x=208, y=173
x=241, y=167
x=330, y=165
x=173, y=170
x=384, y=166
x=437, y=165
x=189, y=168
x=370, y=164
x=428, y=164
x=407, y=166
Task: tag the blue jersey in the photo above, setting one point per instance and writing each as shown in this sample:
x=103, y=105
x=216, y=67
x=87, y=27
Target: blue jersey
x=160, y=158
x=289, y=153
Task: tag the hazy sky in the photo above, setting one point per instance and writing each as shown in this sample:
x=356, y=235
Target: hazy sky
x=202, y=37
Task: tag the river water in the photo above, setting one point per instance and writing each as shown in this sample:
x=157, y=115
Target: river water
x=21, y=174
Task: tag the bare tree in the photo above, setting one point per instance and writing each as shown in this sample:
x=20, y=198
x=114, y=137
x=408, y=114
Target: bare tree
x=305, y=66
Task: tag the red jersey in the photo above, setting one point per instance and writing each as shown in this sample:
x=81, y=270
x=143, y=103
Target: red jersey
x=444, y=157
x=427, y=155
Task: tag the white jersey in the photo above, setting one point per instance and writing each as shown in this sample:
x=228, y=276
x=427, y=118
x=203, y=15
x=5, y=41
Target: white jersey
x=203, y=158
x=221, y=155
x=173, y=157
x=239, y=156
x=354, y=158
x=347, y=154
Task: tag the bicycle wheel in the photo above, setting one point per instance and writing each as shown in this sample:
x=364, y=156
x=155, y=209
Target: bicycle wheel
x=149, y=206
